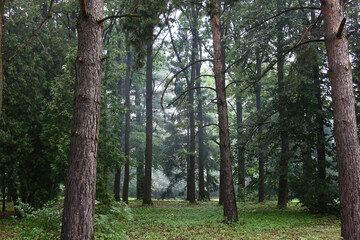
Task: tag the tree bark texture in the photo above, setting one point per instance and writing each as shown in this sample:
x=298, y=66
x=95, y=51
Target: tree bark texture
x=284, y=157
x=149, y=127
x=127, y=123
x=345, y=127
x=230, y=209
x=79, y=203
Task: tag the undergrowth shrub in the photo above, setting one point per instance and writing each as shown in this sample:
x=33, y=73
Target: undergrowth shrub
x=42, y=224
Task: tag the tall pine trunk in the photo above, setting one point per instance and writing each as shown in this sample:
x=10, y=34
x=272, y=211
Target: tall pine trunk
x=127, y=123
x=260, y=129
x=149, y=127
x=79, y=203
x=226, y=179
x=140, y=162
x=345, y=127
x=284, y=139
x=201, y=147
x=240, y=149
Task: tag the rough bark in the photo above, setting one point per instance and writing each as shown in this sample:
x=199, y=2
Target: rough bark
x=127, y=123
x=79, y=203
x=230, y=209
x=284, y=157
x=345, y=127
x=261, y=191
x=149, y=127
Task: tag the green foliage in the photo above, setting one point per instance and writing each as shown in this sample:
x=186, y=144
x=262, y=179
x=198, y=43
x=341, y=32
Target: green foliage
x=105, y=222
x=39, y=224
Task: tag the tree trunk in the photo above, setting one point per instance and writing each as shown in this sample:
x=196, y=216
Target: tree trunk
x=202, y=194
x=140, y=161
x=240, y=152
x=345, y=127
x=79, y=203
x=149, y=128
x=3, y=191
x=320, y=134
x=127, y=123
x=194, y=52
x=230, y=210
x=258, y=110
x=284, y=157
x=117, y=183
x=1, y=56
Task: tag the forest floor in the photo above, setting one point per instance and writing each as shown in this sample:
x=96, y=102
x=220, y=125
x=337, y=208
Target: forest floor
x=181, y=220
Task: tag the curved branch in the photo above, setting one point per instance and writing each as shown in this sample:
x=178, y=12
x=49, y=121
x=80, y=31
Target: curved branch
x=118, y=16
x=280, y=13
x=186, y=91
x=274, y=63
x=177, y=74
x=43, y=23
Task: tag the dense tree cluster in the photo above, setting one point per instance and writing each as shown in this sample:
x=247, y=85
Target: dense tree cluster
x=241, y=100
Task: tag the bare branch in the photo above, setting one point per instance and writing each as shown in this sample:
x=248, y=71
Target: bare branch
x=118, y=16
x=341, y=28
x=186, y=91
x=309, y=29
x=43, y=46
x=280, y=13
x=177, y=74
x=43, y=23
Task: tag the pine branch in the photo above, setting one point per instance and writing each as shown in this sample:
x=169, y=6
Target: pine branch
x=280, y=13
x=43, y=23
x=275, y=62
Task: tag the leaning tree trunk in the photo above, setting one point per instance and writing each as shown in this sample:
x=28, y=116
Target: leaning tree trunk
x=79, y=204
x=127, y=123
x=226, y=179
x=149, y=128
x=345, y=127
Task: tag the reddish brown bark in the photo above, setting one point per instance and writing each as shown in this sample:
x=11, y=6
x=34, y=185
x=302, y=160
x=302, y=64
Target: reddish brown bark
x=79, y=204
x=345, y=127
x=226, y=179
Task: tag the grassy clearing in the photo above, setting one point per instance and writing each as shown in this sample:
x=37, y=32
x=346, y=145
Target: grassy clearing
x=181, y=220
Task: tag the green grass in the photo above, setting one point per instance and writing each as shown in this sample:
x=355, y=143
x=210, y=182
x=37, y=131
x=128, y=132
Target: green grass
x=181, y=220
